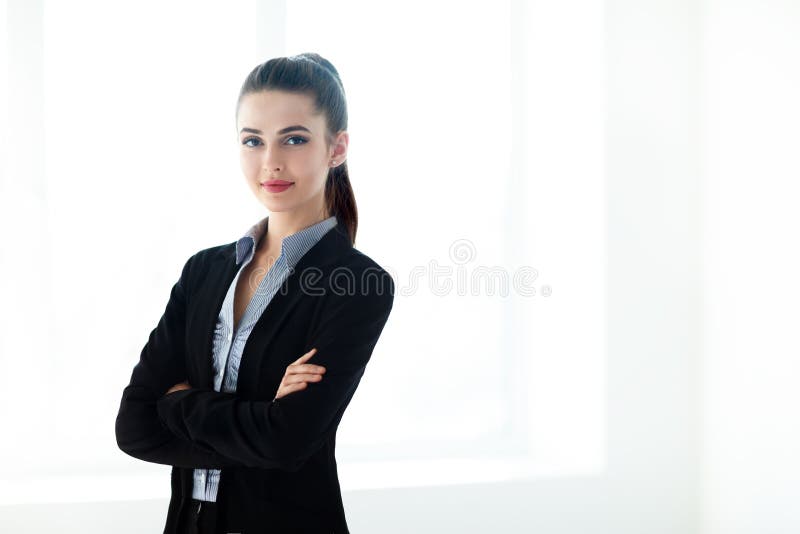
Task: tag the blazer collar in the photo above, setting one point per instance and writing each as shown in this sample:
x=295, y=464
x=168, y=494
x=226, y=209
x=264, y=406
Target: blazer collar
x=327, y=252
x=293, y=247
x=328, y=249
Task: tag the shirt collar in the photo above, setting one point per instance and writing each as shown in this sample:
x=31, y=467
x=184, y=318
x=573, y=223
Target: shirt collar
x=293, y=247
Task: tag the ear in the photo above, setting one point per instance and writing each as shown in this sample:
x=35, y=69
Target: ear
x=339, y=147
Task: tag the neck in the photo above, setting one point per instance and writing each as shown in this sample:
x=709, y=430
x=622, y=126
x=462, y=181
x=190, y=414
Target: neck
x=285, y=223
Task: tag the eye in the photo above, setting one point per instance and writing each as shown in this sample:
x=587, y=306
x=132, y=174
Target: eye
x=250, y=139
x=302, y=140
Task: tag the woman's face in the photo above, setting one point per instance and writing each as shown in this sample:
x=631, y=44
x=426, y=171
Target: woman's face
x=280, y=138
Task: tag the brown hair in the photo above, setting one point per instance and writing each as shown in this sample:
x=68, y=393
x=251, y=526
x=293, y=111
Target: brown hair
x=311, y=74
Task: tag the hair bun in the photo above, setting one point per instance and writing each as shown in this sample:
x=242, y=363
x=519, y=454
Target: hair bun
x=319, y=60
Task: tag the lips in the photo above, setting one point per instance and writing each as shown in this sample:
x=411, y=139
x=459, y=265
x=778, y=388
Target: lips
x=276, y=186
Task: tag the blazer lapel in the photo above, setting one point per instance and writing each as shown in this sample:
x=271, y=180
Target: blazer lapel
x=209, y=299
x=328, y=249
x=210, y=295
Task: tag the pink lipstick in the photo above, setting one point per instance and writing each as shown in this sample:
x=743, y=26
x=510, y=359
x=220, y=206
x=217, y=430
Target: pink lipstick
x=276, y=186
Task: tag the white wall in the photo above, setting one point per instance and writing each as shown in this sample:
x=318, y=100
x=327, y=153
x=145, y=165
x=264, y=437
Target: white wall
x=701, y=180
x=751, y=139
x=650, y=484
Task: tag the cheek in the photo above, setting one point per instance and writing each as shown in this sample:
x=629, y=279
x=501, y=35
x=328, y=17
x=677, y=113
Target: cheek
x=313, y=171
x=249, y=164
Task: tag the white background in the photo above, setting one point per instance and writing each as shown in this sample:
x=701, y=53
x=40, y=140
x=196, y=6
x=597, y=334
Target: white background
x=640, y=156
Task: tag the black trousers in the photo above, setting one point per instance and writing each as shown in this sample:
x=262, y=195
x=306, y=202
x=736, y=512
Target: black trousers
x=200, y=517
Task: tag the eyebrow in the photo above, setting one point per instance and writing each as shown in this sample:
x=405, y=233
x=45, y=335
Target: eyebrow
x=280, y=132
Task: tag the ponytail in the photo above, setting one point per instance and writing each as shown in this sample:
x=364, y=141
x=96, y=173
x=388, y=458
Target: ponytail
x=340, y=199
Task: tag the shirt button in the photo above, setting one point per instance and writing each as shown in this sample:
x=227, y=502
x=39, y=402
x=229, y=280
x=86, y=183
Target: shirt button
x=230, y=336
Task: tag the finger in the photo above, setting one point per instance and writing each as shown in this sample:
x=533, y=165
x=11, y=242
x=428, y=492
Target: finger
x=304, y=368
x=294, y=379
x=306, y=356
x=290, y=389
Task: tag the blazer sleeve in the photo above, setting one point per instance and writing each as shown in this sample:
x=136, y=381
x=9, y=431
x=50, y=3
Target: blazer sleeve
x=284, y=433
x=139, y=431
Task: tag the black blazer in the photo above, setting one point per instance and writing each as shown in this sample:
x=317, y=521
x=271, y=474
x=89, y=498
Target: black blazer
x=277, y=461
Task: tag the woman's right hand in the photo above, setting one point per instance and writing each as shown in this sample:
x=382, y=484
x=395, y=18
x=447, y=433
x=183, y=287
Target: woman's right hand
x=298, y=374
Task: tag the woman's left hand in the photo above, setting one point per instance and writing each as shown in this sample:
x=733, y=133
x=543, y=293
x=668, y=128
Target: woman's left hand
x=178, y=387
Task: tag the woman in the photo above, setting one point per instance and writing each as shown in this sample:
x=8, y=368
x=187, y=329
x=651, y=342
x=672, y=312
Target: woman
x=243, y=382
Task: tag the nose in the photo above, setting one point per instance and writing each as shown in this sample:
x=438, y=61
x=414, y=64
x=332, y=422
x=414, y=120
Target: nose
x=271, y=164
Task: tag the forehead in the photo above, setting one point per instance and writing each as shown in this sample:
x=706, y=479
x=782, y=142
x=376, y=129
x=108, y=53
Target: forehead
x=270, y=111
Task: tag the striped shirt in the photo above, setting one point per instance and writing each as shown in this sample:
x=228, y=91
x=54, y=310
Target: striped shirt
x=229, y=344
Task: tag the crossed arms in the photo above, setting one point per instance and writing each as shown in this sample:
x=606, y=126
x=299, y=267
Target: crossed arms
x=200, y=428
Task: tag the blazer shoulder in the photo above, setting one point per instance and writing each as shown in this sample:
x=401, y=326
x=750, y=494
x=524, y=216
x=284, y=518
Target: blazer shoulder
x=215, y=252
x=366, y=275
x=201, y=261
